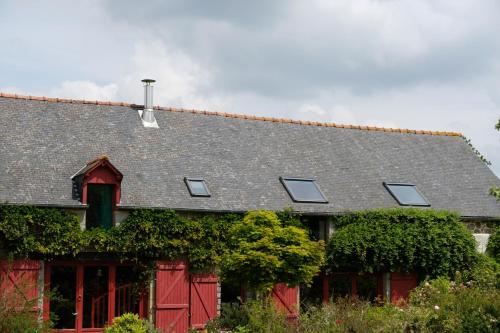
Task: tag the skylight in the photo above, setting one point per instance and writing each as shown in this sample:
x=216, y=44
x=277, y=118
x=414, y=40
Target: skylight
x=406, y=194
x=197, y=187
x=303, y=190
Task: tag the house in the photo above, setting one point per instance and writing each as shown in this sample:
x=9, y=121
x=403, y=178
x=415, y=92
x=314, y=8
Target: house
x=103, y=159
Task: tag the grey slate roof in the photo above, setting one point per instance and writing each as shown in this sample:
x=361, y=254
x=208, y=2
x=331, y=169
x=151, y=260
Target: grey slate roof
x=42, y=144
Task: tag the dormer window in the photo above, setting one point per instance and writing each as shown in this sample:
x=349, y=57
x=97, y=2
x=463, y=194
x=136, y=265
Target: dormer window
x=98, y=185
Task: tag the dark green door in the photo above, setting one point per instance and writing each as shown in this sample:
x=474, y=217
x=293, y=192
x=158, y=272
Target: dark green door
x=100, y=210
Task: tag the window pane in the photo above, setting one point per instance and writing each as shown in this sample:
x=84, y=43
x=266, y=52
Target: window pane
x=127, y=294
x=304, y=190
x=197, y=187
x=63, y=299
x=407, y=195
x=95, y=297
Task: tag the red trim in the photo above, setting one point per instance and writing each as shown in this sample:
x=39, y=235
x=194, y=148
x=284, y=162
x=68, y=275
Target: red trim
x=111, y=292
x=354, y=285
x=103, y=172
x=326, y=288
x=79, y=297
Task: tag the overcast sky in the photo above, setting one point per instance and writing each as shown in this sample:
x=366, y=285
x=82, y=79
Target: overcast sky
x=431, y=65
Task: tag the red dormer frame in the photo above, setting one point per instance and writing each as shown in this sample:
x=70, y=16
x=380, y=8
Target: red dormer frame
x=100, y=171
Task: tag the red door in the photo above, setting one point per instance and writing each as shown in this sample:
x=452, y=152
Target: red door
x=20, y=278
x=172, y=297
x=401, y=286
x=203, y=305
x=286, y=299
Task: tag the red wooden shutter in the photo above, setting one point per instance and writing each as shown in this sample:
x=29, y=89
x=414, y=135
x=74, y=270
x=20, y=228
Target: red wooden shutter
x=203, y=299
x=286, y=299
x=401, y=285
x=20, y=277
x=172, y=297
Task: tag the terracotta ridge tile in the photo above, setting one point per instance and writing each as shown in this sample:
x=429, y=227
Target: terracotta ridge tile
x=232, y=115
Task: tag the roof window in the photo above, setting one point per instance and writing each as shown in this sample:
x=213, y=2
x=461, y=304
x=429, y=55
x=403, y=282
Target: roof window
x=303, y=190
x=406, y=194
x=197, y=187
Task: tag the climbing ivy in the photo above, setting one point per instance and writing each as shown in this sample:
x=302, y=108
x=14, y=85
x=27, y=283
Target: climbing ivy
x=49, y=232
x=146, y=235
x=433, y=243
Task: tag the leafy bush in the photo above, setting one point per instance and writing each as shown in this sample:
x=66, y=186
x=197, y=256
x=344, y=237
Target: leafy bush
x=233, y=315
x=456, y=307
x=433, y=243
x=493, y=248
x=254, y=316
x=485, y=274
x=130, y=323
x=263, y=252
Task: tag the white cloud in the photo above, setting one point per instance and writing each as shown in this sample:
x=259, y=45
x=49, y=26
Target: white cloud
x=85, y=90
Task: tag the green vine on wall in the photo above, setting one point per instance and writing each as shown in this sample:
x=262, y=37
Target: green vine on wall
x=433, y=243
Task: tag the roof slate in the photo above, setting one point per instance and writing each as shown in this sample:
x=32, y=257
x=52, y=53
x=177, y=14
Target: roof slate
x=44, y=142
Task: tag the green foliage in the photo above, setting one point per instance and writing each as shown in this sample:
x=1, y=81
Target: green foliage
x=145, y=236
x=130, y=323
x=254, y=316
x=433, y=243
x=26, y=230
x=485, y=274
x=233, y=316
x=288, y=218
x=493, y=248
x=263, y=252
x=457, y=307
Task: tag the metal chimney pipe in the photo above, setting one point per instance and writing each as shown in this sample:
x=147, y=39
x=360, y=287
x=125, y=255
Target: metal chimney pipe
x=147, y=114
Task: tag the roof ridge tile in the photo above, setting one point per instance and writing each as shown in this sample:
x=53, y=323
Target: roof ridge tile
x=233, y=115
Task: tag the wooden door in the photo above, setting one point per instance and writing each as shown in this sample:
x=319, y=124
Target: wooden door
x=286, y=299
x=19, y=283
x=172, y=297
x=203, y=306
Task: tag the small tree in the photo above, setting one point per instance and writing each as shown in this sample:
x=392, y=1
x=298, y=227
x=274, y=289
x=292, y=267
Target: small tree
x=263, y=252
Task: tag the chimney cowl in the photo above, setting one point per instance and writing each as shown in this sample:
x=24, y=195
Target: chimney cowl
x=147, y=114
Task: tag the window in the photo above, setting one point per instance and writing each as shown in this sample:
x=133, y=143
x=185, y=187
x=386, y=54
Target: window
x=197, y=187
x=406, y=194
x=100, y=206
x=303, y=190
x=98, y=185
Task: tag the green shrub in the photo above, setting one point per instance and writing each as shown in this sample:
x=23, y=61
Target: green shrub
x=262, y=253
x=493, y=247
x=456, y=307
x=233, y=315
x=130, y=323
x=254, y=316
x=433, y=243
x=485, y=274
